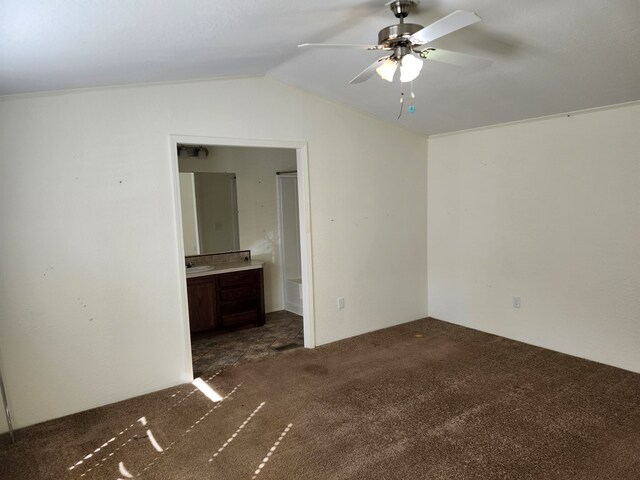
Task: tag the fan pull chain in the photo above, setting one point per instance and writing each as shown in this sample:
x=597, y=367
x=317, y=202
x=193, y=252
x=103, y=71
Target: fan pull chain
x=412, y=107
x=401, y=104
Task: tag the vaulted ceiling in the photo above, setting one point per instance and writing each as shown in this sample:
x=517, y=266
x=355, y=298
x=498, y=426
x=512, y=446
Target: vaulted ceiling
x=548, y=56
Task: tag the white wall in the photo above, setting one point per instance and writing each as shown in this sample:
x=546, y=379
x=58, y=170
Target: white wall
x=255, y=170
x=90, y=269
x=548, y=210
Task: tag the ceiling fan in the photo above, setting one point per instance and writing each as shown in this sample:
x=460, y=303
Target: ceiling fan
x=408, y=42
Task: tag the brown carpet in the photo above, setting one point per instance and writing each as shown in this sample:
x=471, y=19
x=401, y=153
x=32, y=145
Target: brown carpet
x=425, y=400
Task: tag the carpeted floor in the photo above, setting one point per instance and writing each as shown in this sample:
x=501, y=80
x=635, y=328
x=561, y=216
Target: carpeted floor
x=424, y=400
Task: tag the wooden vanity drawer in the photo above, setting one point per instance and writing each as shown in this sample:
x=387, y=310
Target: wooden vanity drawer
x=234, y=279
x=244, y=305
x=249, y=291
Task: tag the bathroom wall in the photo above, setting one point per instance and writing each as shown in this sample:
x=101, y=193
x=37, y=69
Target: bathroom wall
x=255, y=170
x=91, y=275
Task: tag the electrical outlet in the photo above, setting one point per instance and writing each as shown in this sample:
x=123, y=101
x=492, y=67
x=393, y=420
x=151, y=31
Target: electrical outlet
x=516, y=302
x=340, y=302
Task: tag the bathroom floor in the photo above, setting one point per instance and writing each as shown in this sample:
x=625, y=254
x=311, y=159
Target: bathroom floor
x=281, y=332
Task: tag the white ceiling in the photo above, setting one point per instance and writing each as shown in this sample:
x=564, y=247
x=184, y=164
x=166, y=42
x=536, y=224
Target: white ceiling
x=549, y=56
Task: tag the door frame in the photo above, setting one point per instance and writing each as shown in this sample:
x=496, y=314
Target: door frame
x=304, y=206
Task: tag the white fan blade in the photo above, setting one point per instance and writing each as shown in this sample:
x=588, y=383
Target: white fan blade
x=341, y=45
x=368, y=72
x=456, y=58
x=452, y=22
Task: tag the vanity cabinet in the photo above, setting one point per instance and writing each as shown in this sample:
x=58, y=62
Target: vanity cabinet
x=202, y=303
x=223, y=301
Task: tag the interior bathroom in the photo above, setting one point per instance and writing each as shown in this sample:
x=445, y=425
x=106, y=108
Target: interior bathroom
x=241, y=235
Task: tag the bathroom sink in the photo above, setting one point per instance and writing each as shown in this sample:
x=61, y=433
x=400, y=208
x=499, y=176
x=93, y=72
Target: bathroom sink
x=200, y=269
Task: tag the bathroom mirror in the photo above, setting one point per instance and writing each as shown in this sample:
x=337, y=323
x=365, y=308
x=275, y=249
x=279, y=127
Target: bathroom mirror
x=209, y=212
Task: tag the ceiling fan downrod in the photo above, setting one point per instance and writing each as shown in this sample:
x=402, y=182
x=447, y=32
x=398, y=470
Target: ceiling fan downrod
x=400, y=33
x=400, y=8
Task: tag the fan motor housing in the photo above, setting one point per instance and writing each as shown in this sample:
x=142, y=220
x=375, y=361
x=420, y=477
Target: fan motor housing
x=393, y=35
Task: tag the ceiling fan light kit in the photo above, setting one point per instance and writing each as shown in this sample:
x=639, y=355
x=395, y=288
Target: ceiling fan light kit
x=409, y=64
x=410, y=68
x=387, y=70
x=407, y=44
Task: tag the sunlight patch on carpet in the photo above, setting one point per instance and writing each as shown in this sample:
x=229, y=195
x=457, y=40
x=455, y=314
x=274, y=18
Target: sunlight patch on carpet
x=209, y=392
x=235, y=434
x=123, y=470
x=101, y=447
x=271, y=451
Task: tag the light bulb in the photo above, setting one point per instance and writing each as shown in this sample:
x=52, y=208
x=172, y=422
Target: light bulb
x=410, y=68
x=387, y=70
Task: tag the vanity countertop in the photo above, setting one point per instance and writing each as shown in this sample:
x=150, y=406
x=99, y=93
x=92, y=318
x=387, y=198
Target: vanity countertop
x=226, y=268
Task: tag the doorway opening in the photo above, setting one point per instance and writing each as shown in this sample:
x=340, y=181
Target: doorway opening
x=236, y=198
